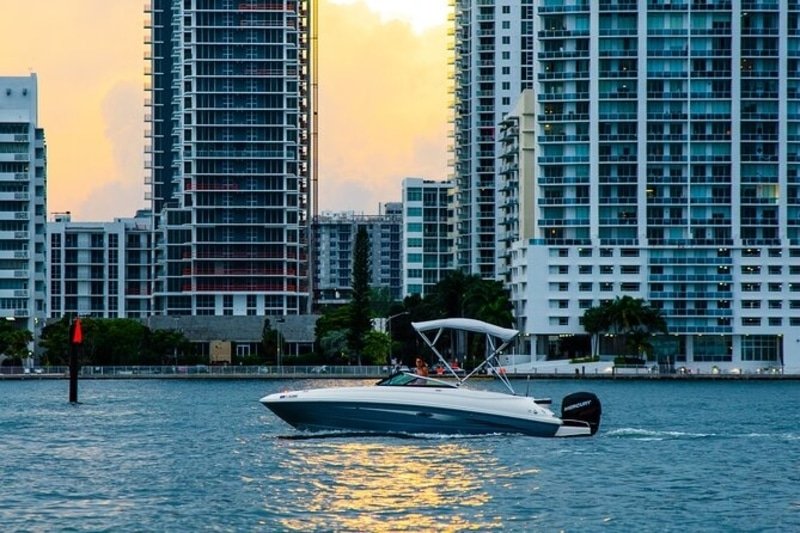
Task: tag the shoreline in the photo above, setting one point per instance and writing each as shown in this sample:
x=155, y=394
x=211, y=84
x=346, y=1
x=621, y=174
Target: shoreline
x=513, y=377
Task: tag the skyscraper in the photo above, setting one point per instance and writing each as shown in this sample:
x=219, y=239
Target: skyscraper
x=230, y=144
x=23, y=178
x=493, y=63
x=668, y=169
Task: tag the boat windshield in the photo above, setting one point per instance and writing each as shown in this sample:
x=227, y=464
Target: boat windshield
x=402, y=379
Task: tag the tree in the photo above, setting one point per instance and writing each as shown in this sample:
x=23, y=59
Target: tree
x=376, y=347
x=16, y=342
x=269, y=342
x=360, y=322
x=631, y=318
x=54, y=342
x=167, y=346
x=596, y=320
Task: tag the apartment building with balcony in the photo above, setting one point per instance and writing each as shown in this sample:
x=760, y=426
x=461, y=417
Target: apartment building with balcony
x=427, y=234
x=334, y=244
x=492, y=49
x=668, y=169
x=23, y=204
x=230, y=155
x=100, y=269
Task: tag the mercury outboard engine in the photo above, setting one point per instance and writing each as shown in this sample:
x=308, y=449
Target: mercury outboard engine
x=583, y=406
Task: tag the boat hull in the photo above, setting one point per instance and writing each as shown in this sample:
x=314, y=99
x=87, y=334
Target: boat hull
x=433, y=411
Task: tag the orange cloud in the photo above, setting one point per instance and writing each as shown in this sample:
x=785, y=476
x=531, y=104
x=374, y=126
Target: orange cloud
x=382, y=107
x=82, y=51
x=383, y=113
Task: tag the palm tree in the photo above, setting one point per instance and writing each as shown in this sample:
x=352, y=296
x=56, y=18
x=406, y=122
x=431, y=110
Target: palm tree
x=632, y=318
x=596, y=320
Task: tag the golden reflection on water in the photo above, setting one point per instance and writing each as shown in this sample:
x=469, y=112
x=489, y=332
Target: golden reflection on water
x=373, y=486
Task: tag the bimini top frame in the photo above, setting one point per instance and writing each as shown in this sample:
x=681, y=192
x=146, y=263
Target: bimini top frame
x=497, y=339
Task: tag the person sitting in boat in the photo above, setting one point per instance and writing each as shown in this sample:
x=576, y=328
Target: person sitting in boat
x=422, y=367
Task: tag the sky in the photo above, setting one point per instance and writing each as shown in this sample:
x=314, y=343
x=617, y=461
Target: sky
x=383, y=103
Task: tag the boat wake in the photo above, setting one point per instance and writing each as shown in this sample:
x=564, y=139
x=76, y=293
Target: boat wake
x=646, y=434
x=650, y=435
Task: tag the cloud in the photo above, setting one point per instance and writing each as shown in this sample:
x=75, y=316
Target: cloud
x=121, y=192
x=382, y=105
x=383, y=101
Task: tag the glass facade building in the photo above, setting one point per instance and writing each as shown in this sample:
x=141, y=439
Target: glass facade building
x=230, y=155
x=667, y=142
x=427, y=234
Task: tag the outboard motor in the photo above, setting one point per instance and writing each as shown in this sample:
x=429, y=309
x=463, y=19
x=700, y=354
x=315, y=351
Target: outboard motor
x=583, y=406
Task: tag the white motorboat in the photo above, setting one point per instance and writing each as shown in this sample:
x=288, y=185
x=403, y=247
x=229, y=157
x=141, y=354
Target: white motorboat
x=408, y=403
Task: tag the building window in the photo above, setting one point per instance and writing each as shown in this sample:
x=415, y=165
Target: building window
x=606, y=269
x=751, y=321
x=760, y=348
x=714, y=348
x=585, y=287
x=585, y=269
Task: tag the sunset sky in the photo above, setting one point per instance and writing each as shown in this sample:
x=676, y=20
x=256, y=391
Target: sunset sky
x=383, y=98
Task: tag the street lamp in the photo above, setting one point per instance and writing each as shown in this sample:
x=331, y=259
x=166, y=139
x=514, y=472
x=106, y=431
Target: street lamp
x=389, y=328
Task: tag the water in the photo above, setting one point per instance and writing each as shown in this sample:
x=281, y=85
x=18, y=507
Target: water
x=206, y=456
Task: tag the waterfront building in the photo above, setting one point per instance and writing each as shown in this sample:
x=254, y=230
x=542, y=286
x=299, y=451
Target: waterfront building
x=428, y=234
x=100, y=269
x=230, y=155
x=334, y=242
x=493, y=62
x=515, y=180
x=668, y=169
x=23, y=205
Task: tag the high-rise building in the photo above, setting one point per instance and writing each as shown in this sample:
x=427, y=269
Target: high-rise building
x=668, y=169
x=23, y=178
x=515, y=179
x=334, y=241
x=493, y=63
x=100, y=269
x=427, y=234
x=231, y=162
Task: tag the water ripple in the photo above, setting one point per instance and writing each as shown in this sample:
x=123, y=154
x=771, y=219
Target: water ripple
x=205, y=456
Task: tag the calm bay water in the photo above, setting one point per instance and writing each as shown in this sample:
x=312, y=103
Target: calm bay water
x=205, y=455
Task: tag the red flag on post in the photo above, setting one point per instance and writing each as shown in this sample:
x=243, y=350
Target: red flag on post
x=77, y=333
